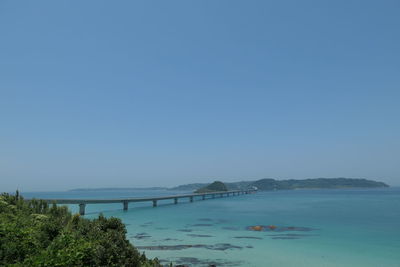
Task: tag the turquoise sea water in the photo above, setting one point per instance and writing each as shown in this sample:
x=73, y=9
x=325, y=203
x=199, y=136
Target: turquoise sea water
x=357, y=227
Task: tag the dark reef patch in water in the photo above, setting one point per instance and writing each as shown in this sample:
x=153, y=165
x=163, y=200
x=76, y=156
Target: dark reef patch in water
x=205, y=219
x=285, y=237
x=224, y=246
x=230, y=228
x=219, y=246
x=142, y=236
x=295, y=235
x=247, y=237
x=289, y=236
x=294, y=228
x=171, y=239
x=161, y=228
x=223, y=221
x=196, y=235
x=273, y=228
x=185, y=230
x=191, y=261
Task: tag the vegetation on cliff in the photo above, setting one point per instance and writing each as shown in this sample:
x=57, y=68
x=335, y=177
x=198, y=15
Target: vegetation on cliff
x=272, y=184
x=195, y=186
x=32, y=233
x=216, y=186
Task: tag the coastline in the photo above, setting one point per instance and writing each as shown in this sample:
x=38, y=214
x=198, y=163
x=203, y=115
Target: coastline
x=225, y=221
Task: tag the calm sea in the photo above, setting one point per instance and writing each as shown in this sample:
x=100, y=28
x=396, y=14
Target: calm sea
x=357, y=227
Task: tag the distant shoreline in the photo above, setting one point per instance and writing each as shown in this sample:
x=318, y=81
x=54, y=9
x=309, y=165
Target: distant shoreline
x=117, y=189
x=266, y=184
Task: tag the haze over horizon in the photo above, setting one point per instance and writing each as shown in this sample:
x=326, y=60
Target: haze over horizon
x=161, y=93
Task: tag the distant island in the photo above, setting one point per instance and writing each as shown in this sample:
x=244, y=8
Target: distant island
x=216, y=186
x=318, y=183
x=273, y=184
x=263, y=184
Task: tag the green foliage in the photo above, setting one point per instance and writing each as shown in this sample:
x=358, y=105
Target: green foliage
x=216, y=186
x=32, y=233
x=272, y=184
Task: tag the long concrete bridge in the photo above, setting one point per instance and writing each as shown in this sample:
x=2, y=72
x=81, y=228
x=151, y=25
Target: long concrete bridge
x=125, y=202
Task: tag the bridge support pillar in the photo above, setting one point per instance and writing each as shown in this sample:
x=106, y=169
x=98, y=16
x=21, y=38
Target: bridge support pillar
x=176, y=200
x=82, y=208
x=191, y=199
x=154, y=203
x=203, y=197
x=125, y=203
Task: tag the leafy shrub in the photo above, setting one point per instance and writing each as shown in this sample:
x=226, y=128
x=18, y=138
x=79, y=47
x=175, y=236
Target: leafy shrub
x=32, y=233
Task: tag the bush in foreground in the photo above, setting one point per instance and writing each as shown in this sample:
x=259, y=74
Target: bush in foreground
x=32, y=233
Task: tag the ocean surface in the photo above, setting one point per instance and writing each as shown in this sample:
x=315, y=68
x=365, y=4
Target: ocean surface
x=350, y=227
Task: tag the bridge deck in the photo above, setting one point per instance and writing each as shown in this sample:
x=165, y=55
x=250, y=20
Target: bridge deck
x=82, y=202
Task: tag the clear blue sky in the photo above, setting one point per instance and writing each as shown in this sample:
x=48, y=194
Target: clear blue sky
x=159, y=93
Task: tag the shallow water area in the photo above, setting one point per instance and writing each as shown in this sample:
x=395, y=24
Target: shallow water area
x=357, y=227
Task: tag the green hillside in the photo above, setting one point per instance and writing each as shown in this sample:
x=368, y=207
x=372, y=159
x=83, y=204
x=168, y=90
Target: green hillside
x=216, y=186
x=273, y=184
x=318, y=183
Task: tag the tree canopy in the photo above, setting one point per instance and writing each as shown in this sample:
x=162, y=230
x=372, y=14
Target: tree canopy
x=33, y=233
x=216, y=186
